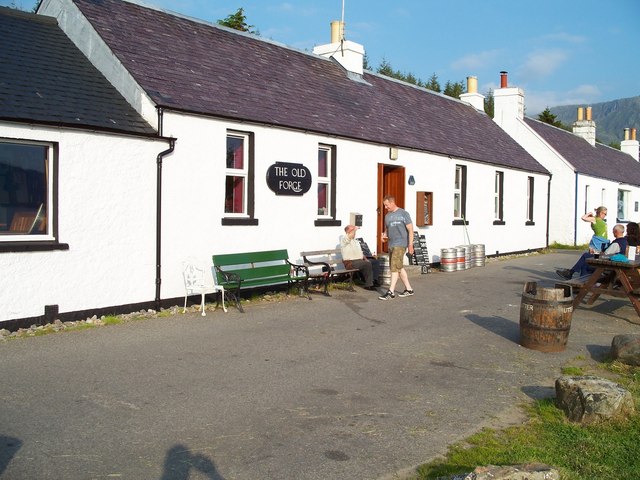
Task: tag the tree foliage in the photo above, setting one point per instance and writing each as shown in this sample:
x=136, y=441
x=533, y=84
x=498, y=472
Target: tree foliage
x=454, y=89
x=547, y=117
x=489, y=103
x=451, y=89
x=238, y=21
x=433, y=83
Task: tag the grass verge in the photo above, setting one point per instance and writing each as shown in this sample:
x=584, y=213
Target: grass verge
x=608, y=451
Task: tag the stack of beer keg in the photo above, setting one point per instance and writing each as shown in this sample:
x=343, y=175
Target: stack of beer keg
x=462, y=257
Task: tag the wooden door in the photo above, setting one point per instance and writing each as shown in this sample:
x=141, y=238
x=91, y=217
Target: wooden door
x=390, y=182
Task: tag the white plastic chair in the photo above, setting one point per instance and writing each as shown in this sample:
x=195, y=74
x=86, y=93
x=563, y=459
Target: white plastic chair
x=196, y=284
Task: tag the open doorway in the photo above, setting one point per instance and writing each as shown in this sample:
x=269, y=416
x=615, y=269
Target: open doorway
x=390, y=182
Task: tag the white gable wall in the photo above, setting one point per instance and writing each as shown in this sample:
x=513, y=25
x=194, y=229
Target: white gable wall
x=106, y=205
x=562, y=211
x=87, y=40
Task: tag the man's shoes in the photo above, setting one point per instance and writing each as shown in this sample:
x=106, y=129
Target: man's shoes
x=371, y=287
x=565, y=273
x=406, y=293
x=387, y=296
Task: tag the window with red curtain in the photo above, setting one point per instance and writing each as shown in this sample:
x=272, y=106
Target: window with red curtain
x=236, y=176
x=324, y=180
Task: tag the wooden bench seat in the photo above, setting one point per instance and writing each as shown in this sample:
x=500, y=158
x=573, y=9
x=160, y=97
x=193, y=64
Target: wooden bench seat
x=325, y=265
x=236, y=271
x=575, y=283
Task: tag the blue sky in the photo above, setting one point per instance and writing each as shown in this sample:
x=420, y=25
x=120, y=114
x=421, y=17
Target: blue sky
x=559, y=51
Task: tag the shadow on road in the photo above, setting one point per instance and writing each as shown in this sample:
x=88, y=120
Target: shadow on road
x=9, y=446
x=180, y=461
x=498, y=325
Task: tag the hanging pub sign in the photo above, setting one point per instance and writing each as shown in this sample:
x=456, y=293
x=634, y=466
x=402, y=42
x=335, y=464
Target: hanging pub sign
x=289, y=178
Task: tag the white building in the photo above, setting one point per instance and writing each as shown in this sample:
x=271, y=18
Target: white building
x=585, y=174
x=274, y=148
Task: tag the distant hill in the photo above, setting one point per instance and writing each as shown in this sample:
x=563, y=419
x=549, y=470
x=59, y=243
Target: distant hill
x=611, y=117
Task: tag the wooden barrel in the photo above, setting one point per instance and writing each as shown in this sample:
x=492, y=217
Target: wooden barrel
x=478, y=254
x=385, y=270
x=545, y=318
x=448, y=259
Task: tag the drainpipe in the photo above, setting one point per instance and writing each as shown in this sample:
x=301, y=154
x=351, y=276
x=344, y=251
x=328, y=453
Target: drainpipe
x=161, y=155
x=548, y=208
x=575, y=213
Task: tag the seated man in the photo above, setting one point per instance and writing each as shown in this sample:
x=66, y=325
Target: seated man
x=352, y=256
x=619, y=245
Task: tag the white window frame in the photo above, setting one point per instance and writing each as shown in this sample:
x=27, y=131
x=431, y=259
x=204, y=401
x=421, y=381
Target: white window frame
x=622, y=211
x=459, y=193
x=325, y=180
x=237, y=172
x=49, y=208
x=530, y=198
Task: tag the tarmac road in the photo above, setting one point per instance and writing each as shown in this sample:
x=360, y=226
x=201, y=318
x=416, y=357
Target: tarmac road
x=346, y=387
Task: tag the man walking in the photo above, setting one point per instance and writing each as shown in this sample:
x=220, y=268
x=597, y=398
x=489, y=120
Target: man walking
x=399, y=233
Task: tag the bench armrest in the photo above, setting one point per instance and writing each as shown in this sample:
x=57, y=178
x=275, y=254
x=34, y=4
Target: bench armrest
x=301, y=271
x=228, y=277
x=326, y=268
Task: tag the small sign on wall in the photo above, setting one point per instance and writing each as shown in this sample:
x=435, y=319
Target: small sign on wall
x=288, y=178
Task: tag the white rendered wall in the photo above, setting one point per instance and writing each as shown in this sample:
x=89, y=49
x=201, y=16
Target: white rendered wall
x=193, y=197
x=106, y=214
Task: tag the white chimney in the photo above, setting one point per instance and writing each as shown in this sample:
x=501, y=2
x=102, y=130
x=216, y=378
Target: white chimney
x=348, y=54
x=472, y=97
x=630, y=145
x=508, y=105
x=585, y=128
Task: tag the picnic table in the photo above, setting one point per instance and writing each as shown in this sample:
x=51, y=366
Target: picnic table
x=617, y=279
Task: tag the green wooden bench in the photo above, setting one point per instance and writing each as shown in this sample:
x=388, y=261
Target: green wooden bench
x=236, y=271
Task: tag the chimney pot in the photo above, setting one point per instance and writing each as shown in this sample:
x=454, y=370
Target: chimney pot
x=503, y=79
x=580, y=114
x=588, y=114
x=626, y=134
x=337, y=31
x=633, y=134
x=472, y=84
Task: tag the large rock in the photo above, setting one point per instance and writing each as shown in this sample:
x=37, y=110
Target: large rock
x=626, y=348
x=589, y=399
x=532, y=471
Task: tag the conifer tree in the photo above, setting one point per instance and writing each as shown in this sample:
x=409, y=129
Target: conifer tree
x=238, y=21
x=547, y=117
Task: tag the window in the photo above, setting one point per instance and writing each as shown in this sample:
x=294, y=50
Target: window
x=239, y=182
x=530, y=201
x=326, y=179
x=460, y=195
x=623, y=204
x=587, y=193
x=498, y=194
x=26, y=191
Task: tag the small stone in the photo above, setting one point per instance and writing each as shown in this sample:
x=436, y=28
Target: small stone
x=4, y=332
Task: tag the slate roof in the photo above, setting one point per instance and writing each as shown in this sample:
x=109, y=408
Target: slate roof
x=194, y=66
x=45, y=79
x=598, y=161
